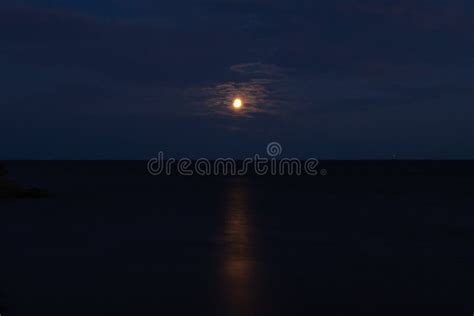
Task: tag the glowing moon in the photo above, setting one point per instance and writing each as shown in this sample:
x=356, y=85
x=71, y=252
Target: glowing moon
x=237, y=104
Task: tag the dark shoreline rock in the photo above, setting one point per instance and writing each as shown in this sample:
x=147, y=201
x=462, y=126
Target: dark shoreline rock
x=9, y=189
x=3, y=170
x=34, y=193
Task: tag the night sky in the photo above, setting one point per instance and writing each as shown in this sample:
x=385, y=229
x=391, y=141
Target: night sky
x=125, y=79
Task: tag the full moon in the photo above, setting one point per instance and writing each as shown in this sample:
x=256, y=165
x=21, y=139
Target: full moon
x=237, y=104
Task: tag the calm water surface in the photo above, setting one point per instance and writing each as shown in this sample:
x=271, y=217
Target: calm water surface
x=114, y=241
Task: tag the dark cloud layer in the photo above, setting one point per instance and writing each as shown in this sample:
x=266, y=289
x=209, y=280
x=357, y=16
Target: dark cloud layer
x=345, y=79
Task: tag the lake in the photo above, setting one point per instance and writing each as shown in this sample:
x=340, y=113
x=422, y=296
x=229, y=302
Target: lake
x=114, y=240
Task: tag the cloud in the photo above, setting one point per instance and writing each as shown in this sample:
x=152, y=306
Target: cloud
x=258, y=69
x=256, y=83
x=253, y=92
